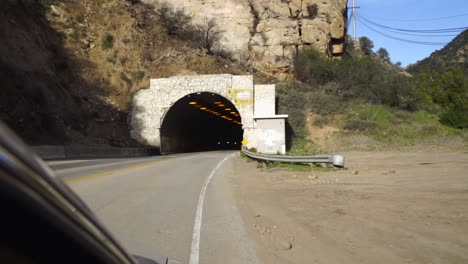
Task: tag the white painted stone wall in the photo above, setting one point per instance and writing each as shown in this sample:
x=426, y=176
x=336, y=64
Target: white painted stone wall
x=151, y=105
x=269, y=132
x=264, y=100
x=270, y=135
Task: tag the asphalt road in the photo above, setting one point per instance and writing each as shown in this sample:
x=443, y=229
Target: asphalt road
x=179, y=206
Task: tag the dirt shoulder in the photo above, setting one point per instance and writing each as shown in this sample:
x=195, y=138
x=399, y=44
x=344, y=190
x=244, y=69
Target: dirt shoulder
x=386, y=207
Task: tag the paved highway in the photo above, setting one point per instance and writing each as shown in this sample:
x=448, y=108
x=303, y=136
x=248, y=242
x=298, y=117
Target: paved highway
x=179, y=206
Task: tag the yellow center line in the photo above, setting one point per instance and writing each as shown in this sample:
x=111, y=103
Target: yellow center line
x=102, y=173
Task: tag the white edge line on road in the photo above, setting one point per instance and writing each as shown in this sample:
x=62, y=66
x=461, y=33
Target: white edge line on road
x=195, y=249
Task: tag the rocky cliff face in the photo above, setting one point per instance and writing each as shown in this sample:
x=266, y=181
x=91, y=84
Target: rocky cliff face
x=268, y=33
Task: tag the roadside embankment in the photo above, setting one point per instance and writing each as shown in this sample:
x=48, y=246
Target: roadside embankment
x=386, y=207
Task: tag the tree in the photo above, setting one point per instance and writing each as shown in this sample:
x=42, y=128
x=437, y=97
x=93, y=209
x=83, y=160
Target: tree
x=207, y=34
x=383, y=54
x=444, y=90
x=366, y=45
x=173, y=20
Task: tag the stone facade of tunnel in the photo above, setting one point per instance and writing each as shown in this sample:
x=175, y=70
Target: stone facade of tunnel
x=150, y=106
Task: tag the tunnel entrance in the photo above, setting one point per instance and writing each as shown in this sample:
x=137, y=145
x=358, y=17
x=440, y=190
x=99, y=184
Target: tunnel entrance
x=201, y=122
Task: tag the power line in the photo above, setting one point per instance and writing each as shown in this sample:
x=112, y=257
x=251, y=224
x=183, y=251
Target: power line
x=420, y=20
x=377, y=27
x=420, y=34
x=350, y=19
x=426, y=35
x=428, y=31
x=428, y=43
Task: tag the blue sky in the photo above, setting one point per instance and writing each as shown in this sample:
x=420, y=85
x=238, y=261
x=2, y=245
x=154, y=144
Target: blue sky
x=409, y=14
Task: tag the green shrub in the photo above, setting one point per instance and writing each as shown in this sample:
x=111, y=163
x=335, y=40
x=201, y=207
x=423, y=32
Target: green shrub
x=422, y=117
x=366, y=45
x=361, y=125
x=325, y=104
x=302, y=147
x=124, y=78
x=457, y=118
x=320, y=120
x=138, y=75
x=368, y=117
x=378, y=114
x=356, y=78
x=335, y=83
x=312, y=67
x=107, y=42
x=292, y=99
x=377, y=97
x=242, y=154
x=444, y=92
x=174, y=21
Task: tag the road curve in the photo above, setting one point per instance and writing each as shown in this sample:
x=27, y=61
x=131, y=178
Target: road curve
x=151, y=205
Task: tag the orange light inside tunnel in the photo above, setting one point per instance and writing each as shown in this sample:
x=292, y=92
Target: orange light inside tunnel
x=192, y=103
x=202, y=108
x=228, y=109
x=220, y=105
x=234, y=113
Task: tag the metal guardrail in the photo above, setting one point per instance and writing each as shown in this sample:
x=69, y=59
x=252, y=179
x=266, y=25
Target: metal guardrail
x=336, y=160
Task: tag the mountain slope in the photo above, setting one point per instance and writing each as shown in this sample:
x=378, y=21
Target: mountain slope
x=70, y=68
x=453, y=54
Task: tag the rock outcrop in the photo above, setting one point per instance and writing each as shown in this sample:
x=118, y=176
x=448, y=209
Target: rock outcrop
x=268, y=33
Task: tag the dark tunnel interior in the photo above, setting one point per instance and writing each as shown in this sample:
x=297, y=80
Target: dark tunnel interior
x=201, y=122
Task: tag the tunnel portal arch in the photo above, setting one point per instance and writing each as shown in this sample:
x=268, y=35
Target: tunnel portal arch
x=150, y=107
x=200, y=122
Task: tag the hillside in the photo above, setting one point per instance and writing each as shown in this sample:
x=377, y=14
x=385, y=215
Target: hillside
x=267, y=34
x=70, y=68
x=454, y=53
x=364, y=102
